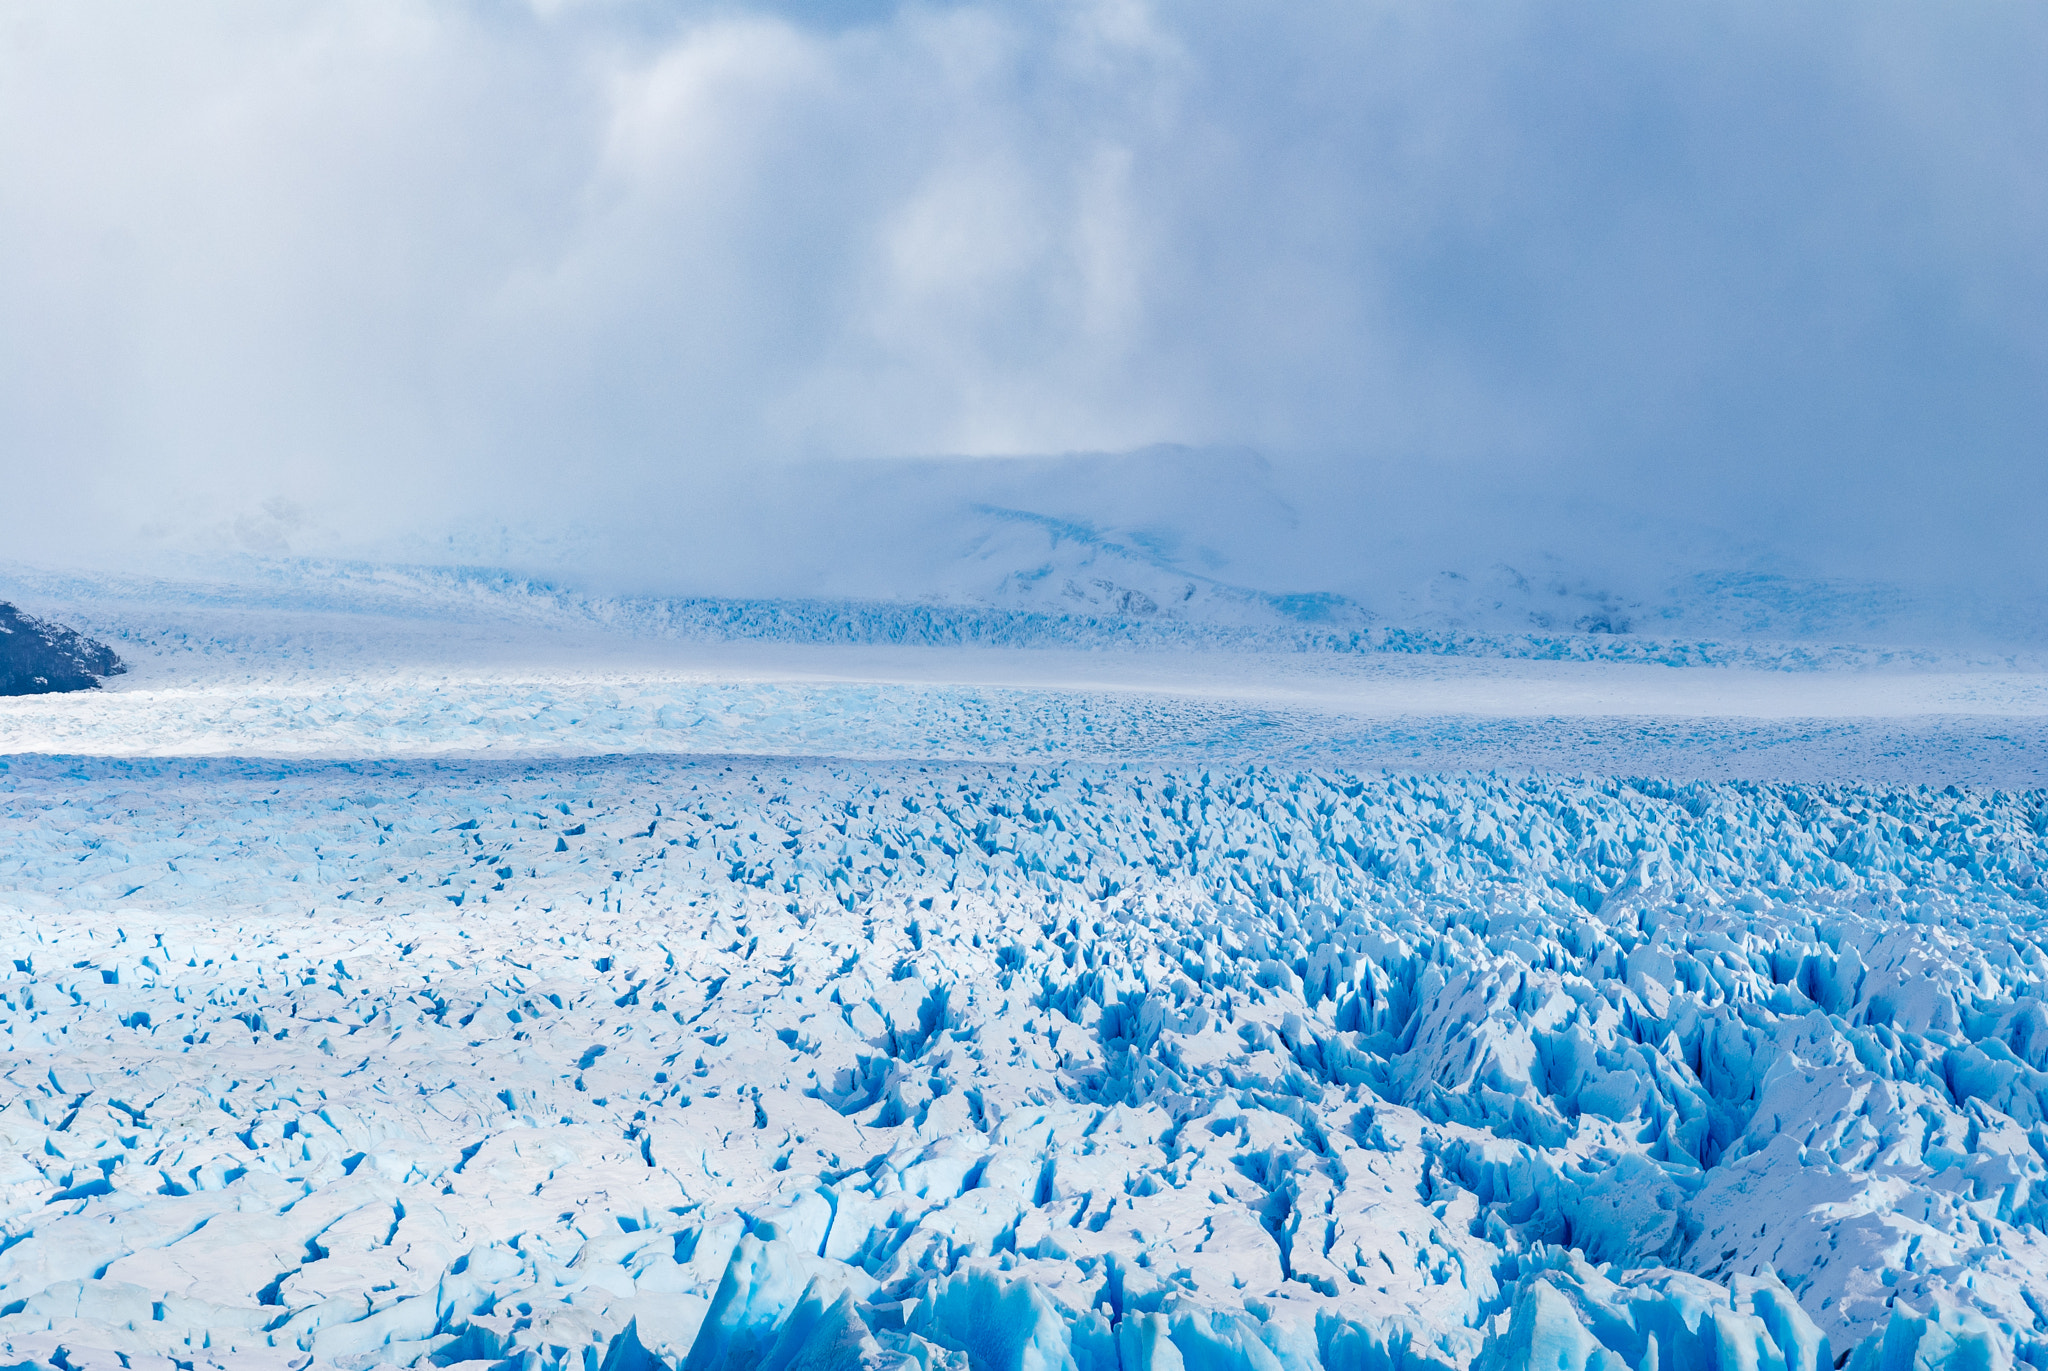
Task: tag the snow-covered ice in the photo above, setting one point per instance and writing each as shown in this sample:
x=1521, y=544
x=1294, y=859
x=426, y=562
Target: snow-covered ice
x=379, y=994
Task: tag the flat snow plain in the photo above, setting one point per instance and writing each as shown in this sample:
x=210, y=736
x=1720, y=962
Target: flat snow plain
x=453, y=990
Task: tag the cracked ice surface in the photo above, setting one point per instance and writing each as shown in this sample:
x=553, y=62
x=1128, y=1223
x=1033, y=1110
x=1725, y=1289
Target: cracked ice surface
x=732, y=1063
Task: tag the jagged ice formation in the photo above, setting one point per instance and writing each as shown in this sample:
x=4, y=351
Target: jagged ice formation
x=727, y=1063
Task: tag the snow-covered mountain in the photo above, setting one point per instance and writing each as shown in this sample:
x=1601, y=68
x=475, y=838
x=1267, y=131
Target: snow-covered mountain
x=1165, y=542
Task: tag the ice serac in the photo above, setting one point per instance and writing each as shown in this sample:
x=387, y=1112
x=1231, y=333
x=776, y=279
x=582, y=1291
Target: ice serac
x=41, y=658
x=1945, y=1336
x=768, y=1065
x=1570, y=1316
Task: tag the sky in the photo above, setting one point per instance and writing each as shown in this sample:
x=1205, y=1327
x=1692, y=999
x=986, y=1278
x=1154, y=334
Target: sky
x=1732, y=281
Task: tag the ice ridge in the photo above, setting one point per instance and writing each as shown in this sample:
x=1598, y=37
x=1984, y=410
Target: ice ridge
x=756, y=1066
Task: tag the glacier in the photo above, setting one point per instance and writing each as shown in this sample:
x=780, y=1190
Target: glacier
x=716, y=1062
x=389, y=985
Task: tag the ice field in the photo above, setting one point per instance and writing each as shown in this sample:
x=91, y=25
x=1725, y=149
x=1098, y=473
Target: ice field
x=458, y=989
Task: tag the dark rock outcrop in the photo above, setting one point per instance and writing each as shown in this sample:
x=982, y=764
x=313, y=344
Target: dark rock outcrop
x=38, y=657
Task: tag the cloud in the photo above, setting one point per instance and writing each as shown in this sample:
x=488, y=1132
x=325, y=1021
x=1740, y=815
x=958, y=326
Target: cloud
x=614, y=264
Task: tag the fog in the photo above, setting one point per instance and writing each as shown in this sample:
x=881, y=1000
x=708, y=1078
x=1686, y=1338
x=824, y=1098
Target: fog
x=743, y=298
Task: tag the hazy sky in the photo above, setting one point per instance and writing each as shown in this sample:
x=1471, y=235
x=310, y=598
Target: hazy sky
x=1776, y=269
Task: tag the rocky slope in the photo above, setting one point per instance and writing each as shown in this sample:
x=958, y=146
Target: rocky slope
x=39, y=658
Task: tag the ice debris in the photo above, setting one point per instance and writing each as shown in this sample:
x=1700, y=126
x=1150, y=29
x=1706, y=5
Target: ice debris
x=756, y=1066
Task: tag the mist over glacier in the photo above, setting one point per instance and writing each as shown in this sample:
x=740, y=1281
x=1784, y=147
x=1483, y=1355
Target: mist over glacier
x=1627, y=294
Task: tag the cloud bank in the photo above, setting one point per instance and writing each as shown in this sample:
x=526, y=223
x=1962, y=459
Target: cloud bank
x=1772, y=275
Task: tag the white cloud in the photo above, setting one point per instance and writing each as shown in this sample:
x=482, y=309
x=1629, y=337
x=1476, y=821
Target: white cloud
x=410, y=266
